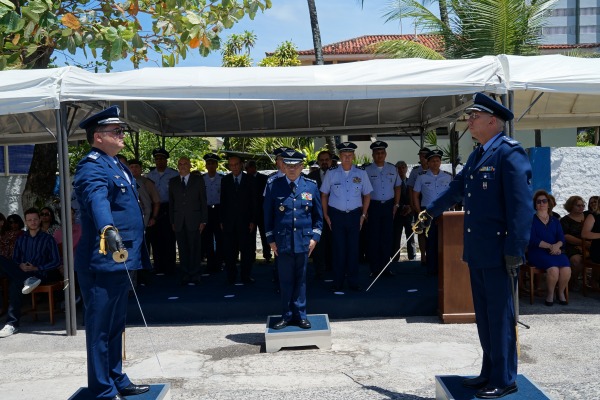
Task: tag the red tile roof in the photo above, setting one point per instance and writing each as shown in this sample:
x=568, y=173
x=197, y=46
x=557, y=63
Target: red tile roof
x=568, y=46
x=360, y=45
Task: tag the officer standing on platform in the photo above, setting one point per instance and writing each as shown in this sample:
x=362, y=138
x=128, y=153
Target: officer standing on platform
x=293, y=221
x=345, y=197
x=212, y=236
x=385, y=200
x=161, y=235
x=110, y=213
x=495, y=185
x=430, y=184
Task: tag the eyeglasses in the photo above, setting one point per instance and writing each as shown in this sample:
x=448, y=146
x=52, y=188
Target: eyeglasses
x=115, y=132
x=44, y=214
x=541, y=201
x=580, y=205
x=476, y=115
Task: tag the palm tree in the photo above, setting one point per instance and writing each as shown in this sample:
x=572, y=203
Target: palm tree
x=316, y=33
x=473, y=28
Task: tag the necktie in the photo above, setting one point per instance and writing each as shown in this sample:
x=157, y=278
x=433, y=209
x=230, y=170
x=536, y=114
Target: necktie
x=479, y=154
x=293, y=187
x=183, y=182
x=237, y=182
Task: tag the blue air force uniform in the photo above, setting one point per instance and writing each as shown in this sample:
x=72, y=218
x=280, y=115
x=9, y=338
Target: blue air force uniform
x=292, y=219
x=380, y=225
x=496, y=193
x=346, y=190
x=107, y=195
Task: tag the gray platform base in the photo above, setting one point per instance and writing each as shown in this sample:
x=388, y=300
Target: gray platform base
x=292, y=336
x=159, y=391
x=449, y=387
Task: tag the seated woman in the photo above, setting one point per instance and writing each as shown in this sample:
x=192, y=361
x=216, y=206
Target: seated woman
x=572, y=224
x=592, y=206
x=10, y=232
x=544, y=250
x=49, y=222
x=591, y=231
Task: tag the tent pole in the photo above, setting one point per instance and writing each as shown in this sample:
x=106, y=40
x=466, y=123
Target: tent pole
x=511, y=107
x=67, y=226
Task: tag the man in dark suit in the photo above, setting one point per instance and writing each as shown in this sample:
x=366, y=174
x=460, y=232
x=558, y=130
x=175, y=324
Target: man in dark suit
x=188, y=215
x=238, y=220
x=404, y=219
x=322, y=255
x=495, y=185
x=110, y=213
x=261, y=182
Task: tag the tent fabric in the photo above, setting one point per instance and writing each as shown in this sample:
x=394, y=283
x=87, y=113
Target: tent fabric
x=370, y=97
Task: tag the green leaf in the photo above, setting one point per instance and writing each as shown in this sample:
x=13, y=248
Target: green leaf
x=127, y=34
x=193, y=18
x=12, y=22
x=171, y=60
x=71, y=45
x=137, y=41
x=116, y=50
x=268, y=4
x=66, y=32
x=8, y=4
x=31, y=49
x=28, y=30
x=78, y=39
x=2, y=63
x=30, y=14
x=111, y=34
x=38, y=6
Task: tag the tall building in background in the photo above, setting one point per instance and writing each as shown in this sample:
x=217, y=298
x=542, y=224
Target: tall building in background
x=573, y=22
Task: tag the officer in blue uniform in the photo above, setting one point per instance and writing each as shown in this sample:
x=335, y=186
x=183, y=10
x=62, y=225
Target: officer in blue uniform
x=293, y=222
x=345, y=197
x=495, y=187
x=385, y=200
x=430, y=184
x=212, y=236
x=112, y=224
x=412, y=178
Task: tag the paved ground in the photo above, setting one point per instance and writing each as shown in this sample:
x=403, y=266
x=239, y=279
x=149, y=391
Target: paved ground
x=370, y=358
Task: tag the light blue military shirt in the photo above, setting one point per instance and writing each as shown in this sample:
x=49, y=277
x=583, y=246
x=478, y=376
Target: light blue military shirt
x=346, y=188
x=431, y=186
x=213, y=189
x=384, y=180
x=161, y=181
x=412, y=177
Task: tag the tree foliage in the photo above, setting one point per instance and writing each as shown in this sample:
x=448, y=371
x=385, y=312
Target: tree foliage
x=31, y=30
x=474, y=28
x=285, y=55
x=236, y=51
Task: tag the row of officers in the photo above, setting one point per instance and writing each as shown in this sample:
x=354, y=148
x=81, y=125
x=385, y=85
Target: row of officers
x=224, y=212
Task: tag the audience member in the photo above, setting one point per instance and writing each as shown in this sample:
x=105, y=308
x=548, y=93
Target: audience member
x=544, y=250
x=2, y=220
x=551, y=205
x=212, y=235
x=75, y=232
x=572, y=224
x=35, y=260
x=592, y=206
x=11, y=230
x=48, y=224
x=261, y=182
x=322, y=256
x=591, y=231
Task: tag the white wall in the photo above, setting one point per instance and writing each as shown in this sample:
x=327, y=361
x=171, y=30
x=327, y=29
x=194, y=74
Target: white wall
x=11, y=188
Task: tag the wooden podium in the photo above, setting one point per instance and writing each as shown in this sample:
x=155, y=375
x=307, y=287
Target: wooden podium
x=455, y=302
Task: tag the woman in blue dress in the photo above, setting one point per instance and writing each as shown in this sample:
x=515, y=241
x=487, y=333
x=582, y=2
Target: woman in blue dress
x=544, y=251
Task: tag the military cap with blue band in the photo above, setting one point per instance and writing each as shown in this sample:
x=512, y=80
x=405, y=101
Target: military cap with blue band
x=483, y=103
x=379, y=144
x=211, y=156
x=277, y=152
x=346, y=146
x=292, y=157
x=435, y=153
x=105, y=117
x=159, y=151
x=424, y=151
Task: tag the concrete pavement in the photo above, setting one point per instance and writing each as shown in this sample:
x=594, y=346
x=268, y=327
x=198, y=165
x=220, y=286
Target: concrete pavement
x=394, y=358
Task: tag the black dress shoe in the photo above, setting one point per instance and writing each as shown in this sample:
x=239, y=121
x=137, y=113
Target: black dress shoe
x=475, y=383
x=118, y=397
x=563, y=302
x=132, y=390
x=548, y=303
x=304, y=324
x=496, y=393
x=280, y=325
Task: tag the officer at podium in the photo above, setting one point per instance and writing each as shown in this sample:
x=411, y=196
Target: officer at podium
x=293, y=224
x=495, y=186
x=111, y=222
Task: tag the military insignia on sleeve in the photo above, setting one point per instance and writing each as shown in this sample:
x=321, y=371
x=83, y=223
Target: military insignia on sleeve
x=356, y=179
x=306, y=196
x=281, y=208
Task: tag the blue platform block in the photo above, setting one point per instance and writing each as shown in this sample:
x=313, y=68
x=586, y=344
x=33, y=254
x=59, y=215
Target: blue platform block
x=159, y=391
x=449, y=387
x=292, y=336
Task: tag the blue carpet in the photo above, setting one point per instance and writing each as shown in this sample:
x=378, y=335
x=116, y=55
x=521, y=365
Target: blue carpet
x=165, y=301
x=317, y=322
x=527, y=390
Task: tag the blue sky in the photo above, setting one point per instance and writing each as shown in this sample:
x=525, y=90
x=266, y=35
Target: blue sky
x=289, y=20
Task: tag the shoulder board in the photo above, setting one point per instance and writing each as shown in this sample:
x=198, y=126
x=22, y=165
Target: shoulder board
x=365, y=165
x=333, y=167
x=423, y=172
x=93, y=155
x=387, y=162
x=306, y=178
x=271, y=174
x=510, y=141
x=416, y=166
x=446, y=172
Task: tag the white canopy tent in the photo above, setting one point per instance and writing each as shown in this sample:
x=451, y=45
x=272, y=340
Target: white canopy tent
x=381, y=96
